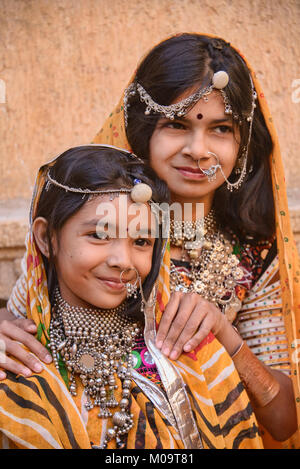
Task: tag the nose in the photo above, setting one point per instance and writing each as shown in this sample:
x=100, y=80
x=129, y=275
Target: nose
x=119, y=256
x=196, y=146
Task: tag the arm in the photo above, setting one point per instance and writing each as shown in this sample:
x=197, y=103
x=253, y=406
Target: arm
x=12, y=331
x=189, y=315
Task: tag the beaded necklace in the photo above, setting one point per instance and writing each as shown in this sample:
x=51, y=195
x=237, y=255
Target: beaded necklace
x=96, y=344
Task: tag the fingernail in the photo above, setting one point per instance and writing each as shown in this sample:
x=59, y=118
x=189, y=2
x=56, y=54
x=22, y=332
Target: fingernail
x=37, y=367
x=166, y=351
x=2, y=375
x=48, y=359
x=159, y=344
x=26, y=372
x=187, y=348
x=174, y=355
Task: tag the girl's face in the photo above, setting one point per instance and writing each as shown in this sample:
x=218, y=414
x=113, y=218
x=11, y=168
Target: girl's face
x=88, y=267
x=177, y=146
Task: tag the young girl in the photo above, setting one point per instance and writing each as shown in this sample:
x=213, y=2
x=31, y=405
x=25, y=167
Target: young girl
x=91, y=267
x=196, y=113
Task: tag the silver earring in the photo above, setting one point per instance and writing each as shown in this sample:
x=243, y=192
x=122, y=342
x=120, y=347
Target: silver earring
x=211, y=172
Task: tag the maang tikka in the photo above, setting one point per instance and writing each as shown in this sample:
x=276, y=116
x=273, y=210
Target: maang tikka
x=219, y=82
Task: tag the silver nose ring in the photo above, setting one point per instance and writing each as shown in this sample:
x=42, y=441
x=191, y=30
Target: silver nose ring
x=211, y=172
x=131, y=288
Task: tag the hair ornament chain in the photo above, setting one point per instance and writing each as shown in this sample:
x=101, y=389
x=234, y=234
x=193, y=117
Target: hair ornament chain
x=220, y=80
x=139, y=192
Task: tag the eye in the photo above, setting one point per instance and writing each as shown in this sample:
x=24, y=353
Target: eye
x=223, y=129
x=169, y=124
x=142, y=242
x=99, y=235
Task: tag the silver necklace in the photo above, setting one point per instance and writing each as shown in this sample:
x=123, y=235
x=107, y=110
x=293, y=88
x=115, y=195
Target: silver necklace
x=96, y=345
x=214, y=270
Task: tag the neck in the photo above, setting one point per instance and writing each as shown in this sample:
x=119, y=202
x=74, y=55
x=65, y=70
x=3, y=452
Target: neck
x=192, y=209
x=63, y=303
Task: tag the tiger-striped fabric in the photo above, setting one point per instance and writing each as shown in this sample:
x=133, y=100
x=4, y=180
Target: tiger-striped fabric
x=40, y=413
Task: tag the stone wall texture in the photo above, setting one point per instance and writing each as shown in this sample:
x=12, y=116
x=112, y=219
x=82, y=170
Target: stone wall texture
x=64, y=63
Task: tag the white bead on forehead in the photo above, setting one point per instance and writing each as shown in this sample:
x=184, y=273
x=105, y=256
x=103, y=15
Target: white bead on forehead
x=220, y=80
x=141, y=193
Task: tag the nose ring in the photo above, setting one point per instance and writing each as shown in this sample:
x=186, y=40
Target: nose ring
x=211, y=172
x=131, y=288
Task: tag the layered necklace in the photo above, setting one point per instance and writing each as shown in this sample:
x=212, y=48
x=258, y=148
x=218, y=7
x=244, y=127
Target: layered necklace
x=96, y=345
x=213, y=268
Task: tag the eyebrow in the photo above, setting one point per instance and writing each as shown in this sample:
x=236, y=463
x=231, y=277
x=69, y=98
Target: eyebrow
x=143, y=232
x=95, y=222
x=223, y=119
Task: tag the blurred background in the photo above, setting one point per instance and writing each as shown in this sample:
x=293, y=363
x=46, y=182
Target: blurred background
x=65, y=63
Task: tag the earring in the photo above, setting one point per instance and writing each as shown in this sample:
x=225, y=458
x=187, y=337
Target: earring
x=211, y=172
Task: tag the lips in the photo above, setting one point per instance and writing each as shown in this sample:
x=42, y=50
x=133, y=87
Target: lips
x=190, y=173
x=190, y=170
x=112, y=282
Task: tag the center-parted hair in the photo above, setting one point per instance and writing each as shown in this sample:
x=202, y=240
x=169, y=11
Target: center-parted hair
x=95, y=168
x=184, y=62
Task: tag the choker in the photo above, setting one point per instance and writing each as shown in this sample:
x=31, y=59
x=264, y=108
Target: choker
x=96, y=345
x=213, y=270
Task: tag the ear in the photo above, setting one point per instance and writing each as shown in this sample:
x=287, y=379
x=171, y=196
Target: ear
x=39, y=228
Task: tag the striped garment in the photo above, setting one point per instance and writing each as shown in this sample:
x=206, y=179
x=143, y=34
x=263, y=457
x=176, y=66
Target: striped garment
x=39, y=412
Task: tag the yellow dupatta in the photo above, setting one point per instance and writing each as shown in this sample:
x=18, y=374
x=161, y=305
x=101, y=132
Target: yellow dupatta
x=113, y=132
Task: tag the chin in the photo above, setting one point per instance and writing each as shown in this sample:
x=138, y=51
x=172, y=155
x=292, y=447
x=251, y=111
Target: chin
x=107, y=303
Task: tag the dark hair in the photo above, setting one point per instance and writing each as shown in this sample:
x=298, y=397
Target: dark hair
x=187, y=60
x=93, y=168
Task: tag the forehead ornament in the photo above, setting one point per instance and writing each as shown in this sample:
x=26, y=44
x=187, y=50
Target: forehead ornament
x=139, y=193
x=219, y=82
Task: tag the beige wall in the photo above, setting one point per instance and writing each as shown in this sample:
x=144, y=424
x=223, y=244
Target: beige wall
x=65, y=62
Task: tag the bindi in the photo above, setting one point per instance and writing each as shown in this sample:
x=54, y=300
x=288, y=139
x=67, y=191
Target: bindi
x=199, y=116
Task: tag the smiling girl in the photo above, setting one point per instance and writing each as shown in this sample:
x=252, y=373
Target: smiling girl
x=91, y=294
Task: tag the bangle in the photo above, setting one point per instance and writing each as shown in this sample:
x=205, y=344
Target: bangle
x=237, y=350
x=240, y=346
x=259, y=382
